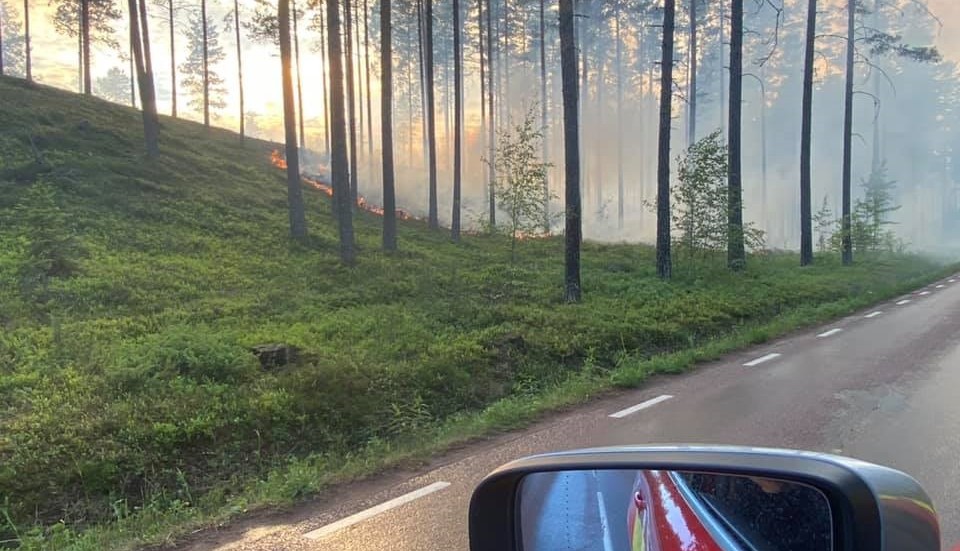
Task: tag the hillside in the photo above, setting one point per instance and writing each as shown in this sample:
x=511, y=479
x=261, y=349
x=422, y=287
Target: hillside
x=131, y=405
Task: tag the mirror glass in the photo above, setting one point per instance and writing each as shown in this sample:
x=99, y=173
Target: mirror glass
x=621, y=510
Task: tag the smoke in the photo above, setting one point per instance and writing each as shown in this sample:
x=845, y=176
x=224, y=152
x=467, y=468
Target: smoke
x=905, y=112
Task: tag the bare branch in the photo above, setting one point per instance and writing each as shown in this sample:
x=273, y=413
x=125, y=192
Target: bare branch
x=874, y=67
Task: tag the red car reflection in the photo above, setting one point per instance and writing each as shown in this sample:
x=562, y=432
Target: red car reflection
x=661, y=519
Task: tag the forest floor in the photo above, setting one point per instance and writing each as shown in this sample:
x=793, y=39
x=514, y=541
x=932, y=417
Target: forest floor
x=132, y=409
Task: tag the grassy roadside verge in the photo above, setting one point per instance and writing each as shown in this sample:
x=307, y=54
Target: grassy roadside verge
x=309, y=476
x=132, y=409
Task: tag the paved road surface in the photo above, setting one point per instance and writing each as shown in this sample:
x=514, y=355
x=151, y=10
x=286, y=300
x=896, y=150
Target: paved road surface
x=881, y=387
x=576, y=510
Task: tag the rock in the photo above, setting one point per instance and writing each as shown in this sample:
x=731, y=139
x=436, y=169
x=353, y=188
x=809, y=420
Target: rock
x=275, y=355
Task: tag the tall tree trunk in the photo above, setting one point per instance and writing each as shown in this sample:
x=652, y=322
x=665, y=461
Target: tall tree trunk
x=652, y=167
x=366, y=61
x=506, y=59
x=139, y=38
x=723, y=85
x=491, y=128
x=876, y=161
x=173, y=60
x=599, y=126
x=692, y=86
x=445, y=101
x=736, y=255
x=236, y=28
x=433, y=219
x=386, y=127
x=206, y=65
x=1, y=43
x=544, y=125
x=423, y=90
x=148, y=65
x=846, y=238
x=408, y=80
x=338, y=139
x=359, y=83
x=644, y=131
x=80, y=48
x=410, y=124
x=664, y=262
x=619, y=61
x=483, y=93
x=583, y=44
x=324, y=84
x=296, y=60
x=26, y=41
x=133, y=75
x=458, y=121
x=351, y=101
x=806, y=138
x=85, y=39
x=298, y=221
x=571, y=139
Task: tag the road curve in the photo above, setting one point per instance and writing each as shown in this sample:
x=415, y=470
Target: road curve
x=879, y=385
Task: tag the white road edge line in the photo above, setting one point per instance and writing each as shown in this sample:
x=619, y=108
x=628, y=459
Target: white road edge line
x=642, y=405
x=904, y=301
x=602, y=508
x=329, y=529
x=829, y=333
x=762, y=359
x=873, y=314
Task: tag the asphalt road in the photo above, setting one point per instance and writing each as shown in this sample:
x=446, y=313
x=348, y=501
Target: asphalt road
x=576, y=510
x=879, y=387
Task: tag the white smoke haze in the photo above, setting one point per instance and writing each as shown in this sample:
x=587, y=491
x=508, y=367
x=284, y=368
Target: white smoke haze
x=914, y=124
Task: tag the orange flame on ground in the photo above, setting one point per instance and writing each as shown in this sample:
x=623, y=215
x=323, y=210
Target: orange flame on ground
x=277, y=160
x=318, y=185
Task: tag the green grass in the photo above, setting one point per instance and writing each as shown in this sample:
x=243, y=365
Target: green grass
x=131, y=409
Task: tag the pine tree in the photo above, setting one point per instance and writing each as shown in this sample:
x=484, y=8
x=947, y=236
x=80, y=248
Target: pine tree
x=114, y=86
x=192, y=67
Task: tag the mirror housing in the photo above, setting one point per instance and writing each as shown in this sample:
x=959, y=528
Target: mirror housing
x=873, y=507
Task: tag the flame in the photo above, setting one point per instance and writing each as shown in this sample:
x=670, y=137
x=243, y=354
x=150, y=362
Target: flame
x=277, y=160
x=316, y=182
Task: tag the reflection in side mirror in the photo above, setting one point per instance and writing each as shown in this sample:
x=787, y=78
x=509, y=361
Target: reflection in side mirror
x=631, y=510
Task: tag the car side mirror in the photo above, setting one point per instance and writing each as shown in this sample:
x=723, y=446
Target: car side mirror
x=702, y=498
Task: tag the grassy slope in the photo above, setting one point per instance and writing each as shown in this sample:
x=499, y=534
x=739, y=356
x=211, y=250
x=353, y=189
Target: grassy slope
x=131, y=394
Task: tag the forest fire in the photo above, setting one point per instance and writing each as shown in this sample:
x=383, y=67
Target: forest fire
x=277, y=160
x=315, y=183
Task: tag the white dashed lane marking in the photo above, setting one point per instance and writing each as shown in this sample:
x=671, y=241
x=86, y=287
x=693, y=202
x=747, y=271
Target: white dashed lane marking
x=924, y=293
x=641, y=406
x=904, y=301
x=762, y=359
x=829, y=333
x=873, y=314
x=329, y=529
